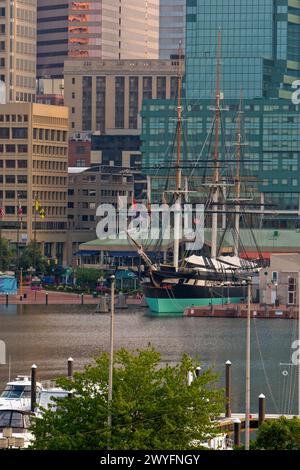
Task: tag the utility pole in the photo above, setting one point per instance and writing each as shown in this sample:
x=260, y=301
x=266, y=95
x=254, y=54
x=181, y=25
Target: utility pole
x=298, y=344
x=111, y=355
x=248, y=362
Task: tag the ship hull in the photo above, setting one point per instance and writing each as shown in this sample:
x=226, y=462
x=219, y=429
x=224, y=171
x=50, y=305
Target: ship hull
x=173, y=299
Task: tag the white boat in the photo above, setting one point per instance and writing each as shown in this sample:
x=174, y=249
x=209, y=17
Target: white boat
x=47, y=399
x=17, y=394
x=14, y=428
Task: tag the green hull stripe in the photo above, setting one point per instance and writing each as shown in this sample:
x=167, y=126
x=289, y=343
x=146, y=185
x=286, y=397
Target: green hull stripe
x=177, y=306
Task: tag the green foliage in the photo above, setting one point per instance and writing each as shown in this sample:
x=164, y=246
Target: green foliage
x=6, y=254
x=281, y=434
x=153, y=407
x=32, y=255
x=87, y=277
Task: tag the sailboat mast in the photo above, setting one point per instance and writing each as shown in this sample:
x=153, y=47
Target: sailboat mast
x=177, y=213
x=216, y=175
x=238, y=182
x=179, y=119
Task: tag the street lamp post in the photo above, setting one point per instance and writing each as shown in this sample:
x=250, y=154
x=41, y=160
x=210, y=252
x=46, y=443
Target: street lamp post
x=111, y=355
x=248, y=362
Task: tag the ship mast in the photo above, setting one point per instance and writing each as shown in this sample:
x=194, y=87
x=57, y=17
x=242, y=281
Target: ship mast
x=216, y=175
x=238, y=181
x=177, y=205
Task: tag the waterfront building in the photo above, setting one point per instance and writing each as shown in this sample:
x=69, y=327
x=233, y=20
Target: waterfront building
x=171, y=27
x=103, y=29
x=122, y=151
x=106, y=96
x=17, y=50
x=34, y=167
x=279, y=281
x=79, y=153
x=88, y=188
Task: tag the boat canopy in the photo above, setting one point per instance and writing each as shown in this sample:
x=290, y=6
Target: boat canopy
x=208, y=263
x=222, y=263
x=237, y=262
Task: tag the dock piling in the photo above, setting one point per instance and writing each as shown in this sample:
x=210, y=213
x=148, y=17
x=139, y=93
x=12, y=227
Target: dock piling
x=33, y=387
x=237, y=432
x=228, y=387
x=261, y=409
x=70, y=367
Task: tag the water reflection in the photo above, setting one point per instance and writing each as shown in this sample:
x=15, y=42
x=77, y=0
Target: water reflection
x=48, y=335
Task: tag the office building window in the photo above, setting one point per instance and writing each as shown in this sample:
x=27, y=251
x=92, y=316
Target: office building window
x=147, y=88
x=133, y=101
x=87, y=103
x=174, y=87
x=100, y=103
x=161, y=88
x=120, y=102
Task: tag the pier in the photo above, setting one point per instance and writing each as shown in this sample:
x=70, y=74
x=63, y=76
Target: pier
x=240, y=311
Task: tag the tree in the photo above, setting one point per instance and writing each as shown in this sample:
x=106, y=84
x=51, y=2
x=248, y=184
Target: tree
x=281, y=434
x=87, y=277
x=6, y=254
x=153, y=407
x=31, y=256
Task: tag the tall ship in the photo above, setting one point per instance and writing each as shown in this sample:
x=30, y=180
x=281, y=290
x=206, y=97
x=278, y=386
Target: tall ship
x=203, y=278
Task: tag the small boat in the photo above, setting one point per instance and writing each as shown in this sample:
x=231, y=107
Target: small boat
x=17, y=394
x=47, y=399
x=14, y=428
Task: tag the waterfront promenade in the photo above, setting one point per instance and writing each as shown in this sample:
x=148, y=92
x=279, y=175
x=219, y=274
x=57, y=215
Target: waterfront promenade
x=43, y=297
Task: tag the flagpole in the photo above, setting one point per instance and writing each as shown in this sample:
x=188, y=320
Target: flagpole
x=18, y=235
x=34, y=248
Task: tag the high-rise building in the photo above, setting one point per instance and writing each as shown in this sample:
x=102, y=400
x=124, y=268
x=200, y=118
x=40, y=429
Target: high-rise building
x=171, y=27
x=17, y=50
x=260, y=47
x=34, y=166
x=260, y=55
x=105, y=29
x=106, y=96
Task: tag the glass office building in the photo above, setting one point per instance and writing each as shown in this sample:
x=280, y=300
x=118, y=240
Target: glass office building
x=171, y=27
x=271, y=156
x=260, y=47
x=260, y=55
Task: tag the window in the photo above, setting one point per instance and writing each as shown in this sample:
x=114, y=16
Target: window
x=133, y=101
x=22, y=179
x=120, y=102
x=100, y=103
x=161, y=88
x=274, y=277
x=22, y=163
x=19, y=132
x=10, y=148
x=291, y=291
x=10, y=210
x=4, y=132
x=147, y=88
x=22, y=148
x=86, y=103
x=10, y=179
x=10, y=164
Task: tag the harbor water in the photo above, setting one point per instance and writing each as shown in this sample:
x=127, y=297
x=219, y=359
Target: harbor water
x=48, y=335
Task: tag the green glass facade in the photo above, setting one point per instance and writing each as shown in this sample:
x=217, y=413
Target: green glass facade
x=261, y=55
x=260, y=47
x=271, y=132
